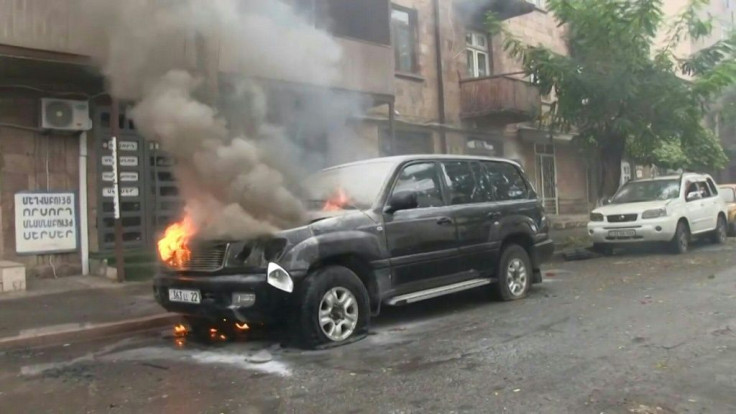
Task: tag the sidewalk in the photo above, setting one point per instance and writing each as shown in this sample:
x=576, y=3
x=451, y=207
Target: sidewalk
x=53, y=310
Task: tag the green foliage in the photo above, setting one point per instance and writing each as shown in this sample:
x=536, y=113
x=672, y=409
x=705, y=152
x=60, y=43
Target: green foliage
x=621, y=92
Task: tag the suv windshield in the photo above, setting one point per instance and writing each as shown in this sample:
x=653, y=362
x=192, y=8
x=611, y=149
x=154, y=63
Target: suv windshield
x=351, y=186
x=640, y=191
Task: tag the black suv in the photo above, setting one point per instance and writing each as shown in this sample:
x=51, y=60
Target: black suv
x=386, y=231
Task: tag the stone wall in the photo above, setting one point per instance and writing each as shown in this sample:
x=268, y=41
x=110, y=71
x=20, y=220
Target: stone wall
x=33, y=161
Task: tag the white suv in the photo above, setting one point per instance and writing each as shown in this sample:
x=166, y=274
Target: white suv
x=665, y=209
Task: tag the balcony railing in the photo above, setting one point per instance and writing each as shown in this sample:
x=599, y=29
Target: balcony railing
x=500, y=98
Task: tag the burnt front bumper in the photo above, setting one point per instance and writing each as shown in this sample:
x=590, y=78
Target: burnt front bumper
x=216, y=293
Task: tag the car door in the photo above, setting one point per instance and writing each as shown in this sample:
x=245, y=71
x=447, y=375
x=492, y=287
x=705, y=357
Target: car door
x=696, y=208
x=713, y=204
x=422, y=241
x=473, y=212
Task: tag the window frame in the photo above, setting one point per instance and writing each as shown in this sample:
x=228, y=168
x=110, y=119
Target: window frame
x=397, y=174
x=476, y=50
x=413, y=25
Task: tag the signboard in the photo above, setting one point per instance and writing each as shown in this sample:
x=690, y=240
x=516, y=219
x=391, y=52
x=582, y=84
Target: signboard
x=126, y=176
x=127, y=161
x=45, y=222
x=124, y=192
x=123, y=145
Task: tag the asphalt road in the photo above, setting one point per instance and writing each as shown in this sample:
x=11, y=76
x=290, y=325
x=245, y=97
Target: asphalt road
x=640, y=332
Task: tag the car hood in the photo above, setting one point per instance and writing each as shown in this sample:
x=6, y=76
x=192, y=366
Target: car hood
x=629, y=208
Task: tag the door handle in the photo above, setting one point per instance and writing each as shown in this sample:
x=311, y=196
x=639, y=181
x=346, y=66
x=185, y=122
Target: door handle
x=444, y=220
x=495, y=215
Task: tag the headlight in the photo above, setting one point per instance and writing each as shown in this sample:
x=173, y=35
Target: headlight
x=657, y=212
x=596, y=217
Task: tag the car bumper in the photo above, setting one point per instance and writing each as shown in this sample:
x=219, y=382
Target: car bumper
x=216, y=296
x=654, y=230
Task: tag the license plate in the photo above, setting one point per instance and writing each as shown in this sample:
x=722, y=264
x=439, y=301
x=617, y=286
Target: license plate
x=184, y=296
x=620, y=234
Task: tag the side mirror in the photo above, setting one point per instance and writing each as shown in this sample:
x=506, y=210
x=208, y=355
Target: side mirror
x=405, y=200
x=693, y=195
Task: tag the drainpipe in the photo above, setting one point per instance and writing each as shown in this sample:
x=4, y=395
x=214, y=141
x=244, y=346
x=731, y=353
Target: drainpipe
x=83, y=224
x=440, y=76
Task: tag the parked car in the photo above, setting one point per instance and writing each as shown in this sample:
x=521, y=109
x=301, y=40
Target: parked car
x=388, y=231
x=728, y=194
x=668, y=210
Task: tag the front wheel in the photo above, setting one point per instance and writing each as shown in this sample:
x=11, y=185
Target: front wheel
x=514, y=273
x=720, y=234
x=334, y=307
x=680, y=242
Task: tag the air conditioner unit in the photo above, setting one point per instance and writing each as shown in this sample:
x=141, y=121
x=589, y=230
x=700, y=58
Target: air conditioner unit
x=65, y=115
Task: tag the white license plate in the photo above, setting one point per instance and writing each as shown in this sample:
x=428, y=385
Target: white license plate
x=184, y=296
x=620, y=234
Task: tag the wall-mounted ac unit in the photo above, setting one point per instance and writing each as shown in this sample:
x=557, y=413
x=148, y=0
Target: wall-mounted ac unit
x=65, y=115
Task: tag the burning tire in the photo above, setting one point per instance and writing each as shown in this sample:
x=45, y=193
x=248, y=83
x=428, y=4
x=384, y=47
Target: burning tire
x=333, y=309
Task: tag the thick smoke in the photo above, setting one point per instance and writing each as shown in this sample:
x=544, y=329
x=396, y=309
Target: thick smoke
x=235, y=167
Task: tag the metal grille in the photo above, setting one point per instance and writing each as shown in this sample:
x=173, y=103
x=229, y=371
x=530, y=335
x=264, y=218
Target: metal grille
x=621, y=218
x=206, y=258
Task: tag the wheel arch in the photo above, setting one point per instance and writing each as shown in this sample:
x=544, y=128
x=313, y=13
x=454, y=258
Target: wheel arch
x=356, y=264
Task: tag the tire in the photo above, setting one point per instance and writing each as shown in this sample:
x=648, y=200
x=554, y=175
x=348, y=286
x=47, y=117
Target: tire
x=680, y=242
x=334, y=306
x=603, y=249
x=720, y=234
x=514, y=274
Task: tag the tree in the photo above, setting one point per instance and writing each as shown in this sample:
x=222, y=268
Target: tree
x=621, y=93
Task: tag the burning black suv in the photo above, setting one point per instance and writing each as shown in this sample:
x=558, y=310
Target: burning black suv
x=387, y=231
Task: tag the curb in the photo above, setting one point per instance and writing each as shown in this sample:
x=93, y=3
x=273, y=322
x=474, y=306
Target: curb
x=86, y=331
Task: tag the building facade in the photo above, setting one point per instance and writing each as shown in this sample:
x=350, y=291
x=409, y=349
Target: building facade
x=429, y=77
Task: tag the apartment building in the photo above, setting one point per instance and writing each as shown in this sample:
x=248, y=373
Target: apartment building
x=458, y=92
x=56, y=192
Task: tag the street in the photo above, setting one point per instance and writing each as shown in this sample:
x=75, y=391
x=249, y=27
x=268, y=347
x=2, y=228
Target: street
x=639, y=332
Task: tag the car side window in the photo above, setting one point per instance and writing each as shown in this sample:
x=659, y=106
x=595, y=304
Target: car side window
x=484, y=191
x=713, y=188
x=506, y=180
x=459, y=181
x=704, y=190
x=421, y=178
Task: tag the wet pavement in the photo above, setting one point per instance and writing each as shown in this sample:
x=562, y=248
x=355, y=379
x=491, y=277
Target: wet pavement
x=639, y=332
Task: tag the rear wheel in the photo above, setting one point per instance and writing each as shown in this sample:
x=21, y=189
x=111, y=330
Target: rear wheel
x=680, y=242
x=720, y=234
x=334, y=307
x=514, y=273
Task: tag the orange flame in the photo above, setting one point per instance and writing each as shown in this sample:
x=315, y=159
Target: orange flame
x=337, y=202
x=174, y=246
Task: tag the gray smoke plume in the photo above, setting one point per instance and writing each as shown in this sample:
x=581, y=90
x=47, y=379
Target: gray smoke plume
x=235, y=168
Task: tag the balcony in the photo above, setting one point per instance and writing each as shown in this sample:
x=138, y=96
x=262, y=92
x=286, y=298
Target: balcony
x=499, y=99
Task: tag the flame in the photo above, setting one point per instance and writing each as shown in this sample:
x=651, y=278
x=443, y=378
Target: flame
x=337, y=202
x=180, y=330
x=242, y=326
x=174, y=246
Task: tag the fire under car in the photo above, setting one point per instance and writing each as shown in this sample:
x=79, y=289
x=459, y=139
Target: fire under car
x=384, y=232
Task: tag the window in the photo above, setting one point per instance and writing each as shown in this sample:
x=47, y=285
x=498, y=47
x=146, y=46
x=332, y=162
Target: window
x=459, y=181
x=484, y=192
x=476, y=51
x=423, y=179
x=712, y=186
x=506, y=181
x=403, y=29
